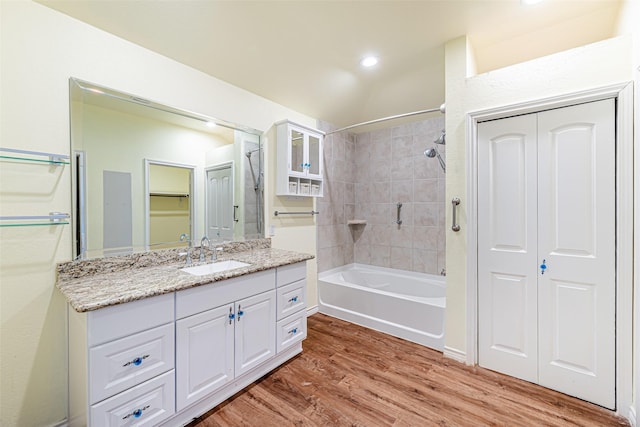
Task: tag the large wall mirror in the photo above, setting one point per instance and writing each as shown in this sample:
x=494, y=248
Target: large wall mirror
x=145, y=173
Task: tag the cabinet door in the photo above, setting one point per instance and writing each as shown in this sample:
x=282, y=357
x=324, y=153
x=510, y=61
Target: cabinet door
x=255, y=331
x=296, y=151
x=314, y=156
x=204, y=354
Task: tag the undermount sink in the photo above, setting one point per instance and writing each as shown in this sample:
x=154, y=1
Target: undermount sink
x=216, y=267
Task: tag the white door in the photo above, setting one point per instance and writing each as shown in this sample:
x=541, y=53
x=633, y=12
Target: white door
x=576, y=239
x=546, y=249
x=255, y=331
x=220, y=203
x=204, y=354
x=507, y=247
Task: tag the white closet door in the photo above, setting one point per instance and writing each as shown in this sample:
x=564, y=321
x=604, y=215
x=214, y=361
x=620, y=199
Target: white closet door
x=507, y=247
x=576, y=239
x=220, y=203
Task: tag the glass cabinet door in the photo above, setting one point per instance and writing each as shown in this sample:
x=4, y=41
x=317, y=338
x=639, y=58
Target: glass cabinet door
x=314, y=155
x=297, y=151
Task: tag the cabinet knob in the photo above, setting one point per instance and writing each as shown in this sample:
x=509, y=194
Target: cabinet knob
x=240, y=312
x=294, y=331
x=294, y=299
x=136, y=362
x=231, y=315
x=136, y=413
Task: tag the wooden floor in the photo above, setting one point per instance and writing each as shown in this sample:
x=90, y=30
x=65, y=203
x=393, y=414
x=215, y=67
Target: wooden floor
x=352, y=376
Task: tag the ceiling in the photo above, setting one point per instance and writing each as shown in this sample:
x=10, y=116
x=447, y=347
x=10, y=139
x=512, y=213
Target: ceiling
x=305, y=54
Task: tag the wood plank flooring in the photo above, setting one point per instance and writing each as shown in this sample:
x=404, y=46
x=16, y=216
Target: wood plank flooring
x=348, y=375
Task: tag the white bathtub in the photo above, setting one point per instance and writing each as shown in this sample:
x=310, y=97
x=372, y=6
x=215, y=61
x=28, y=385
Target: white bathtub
x=401, y=303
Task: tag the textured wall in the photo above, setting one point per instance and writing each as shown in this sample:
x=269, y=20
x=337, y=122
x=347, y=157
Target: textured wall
x=366, y=176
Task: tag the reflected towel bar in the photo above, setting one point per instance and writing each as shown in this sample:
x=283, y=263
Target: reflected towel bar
x=276, y=213
x=53, y=157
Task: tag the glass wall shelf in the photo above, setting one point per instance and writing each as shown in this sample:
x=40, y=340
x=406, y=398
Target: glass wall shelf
x=55, y=218
x=34, y=156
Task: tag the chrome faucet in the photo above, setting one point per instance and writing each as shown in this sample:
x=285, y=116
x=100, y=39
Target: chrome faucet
x=202, y=241
x=183, y=237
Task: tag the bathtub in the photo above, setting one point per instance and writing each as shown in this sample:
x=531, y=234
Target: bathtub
x=405, y=304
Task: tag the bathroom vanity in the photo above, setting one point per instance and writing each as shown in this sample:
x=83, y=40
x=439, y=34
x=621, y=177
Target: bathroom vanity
x=155, y=345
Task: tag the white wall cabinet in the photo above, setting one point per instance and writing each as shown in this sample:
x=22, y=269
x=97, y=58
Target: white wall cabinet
x=167, y=359
x=299, y=159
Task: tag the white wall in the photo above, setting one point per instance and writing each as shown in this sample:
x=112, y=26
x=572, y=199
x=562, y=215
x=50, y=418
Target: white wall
x=118, y=141
x=587, y=67
x=40, y=50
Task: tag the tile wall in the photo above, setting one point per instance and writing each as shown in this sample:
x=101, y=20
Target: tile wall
x=366, y=176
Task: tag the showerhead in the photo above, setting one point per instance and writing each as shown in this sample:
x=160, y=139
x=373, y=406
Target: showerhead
x=433, y=152
x=441, y=139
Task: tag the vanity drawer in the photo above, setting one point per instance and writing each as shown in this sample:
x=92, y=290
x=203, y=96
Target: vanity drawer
x=291, y=273
x=124, y=363
x=291, y=298
x=117, y=321
x=144, y=405
x=291, y=330
x=215, y=294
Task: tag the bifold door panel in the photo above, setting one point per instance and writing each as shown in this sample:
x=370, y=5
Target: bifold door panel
x=546, y=249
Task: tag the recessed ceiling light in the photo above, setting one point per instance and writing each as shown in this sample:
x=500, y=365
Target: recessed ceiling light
x=210, y=124
x=369, y=61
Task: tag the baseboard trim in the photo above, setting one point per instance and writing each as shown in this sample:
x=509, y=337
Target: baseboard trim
x=455, y=354
x=632, y=417
x=63, y=423
x=312, y=310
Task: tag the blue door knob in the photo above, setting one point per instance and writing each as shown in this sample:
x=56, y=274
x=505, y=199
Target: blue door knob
x=543, y=266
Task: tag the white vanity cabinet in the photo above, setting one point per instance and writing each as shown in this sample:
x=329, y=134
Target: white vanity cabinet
x=121, y=364
x=299, y=160
x=164, y=360
x=223, y=330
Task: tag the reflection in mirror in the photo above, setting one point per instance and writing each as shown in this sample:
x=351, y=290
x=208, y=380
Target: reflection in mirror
x=118, y=140
x=169, y=203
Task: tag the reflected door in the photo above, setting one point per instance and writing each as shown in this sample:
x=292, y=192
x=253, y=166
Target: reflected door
x=220, y=203
x=546, y=249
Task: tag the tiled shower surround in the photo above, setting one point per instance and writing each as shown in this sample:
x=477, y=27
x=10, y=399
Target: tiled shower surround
x=366, y=175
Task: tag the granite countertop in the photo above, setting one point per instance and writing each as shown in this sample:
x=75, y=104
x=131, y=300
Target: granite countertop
x=90, y=285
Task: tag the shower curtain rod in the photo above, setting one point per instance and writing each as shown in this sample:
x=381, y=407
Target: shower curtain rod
x=384, y=119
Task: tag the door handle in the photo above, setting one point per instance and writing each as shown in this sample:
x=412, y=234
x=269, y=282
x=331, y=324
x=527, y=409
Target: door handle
x=235, y=213
x=454, y=203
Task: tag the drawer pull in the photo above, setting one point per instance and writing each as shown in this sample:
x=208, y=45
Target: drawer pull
x=240, y=312
x=294, y=299
x=137, y=413
x=293, y=331
x=136, y=362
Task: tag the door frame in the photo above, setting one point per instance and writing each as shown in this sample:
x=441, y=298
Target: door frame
x=224, y=165
x=147, y=202
x=623, y=93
